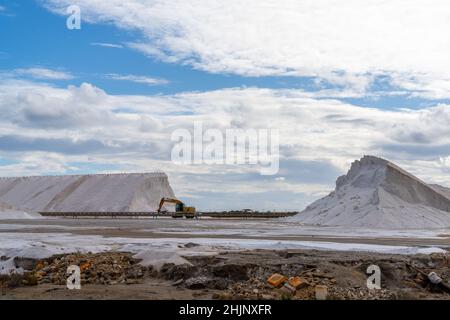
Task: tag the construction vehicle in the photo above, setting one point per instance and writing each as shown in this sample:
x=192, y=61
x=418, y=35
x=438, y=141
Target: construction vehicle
x=181, y=210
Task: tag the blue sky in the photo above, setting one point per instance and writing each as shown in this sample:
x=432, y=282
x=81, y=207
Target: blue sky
x=32, y=36
x=107, y=97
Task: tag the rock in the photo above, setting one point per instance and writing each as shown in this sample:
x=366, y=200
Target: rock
x=197, y=283
x=202, y=282
x=191, y=245
x=30, y=279
x=25, y=263
x=134, y=273
x=231, y=271
x=176, y=272
x=219, y=284
x=321, y=292
x=178, y=282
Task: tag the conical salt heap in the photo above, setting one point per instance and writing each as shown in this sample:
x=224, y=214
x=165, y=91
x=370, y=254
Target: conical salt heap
x=376, y=193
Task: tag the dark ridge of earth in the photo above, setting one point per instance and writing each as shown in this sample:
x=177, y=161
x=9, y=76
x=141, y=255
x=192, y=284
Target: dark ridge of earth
x=232, y=275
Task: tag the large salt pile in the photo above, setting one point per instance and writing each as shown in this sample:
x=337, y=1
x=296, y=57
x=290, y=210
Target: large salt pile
x=8, y=212
x=136, y=192
x=375, y=193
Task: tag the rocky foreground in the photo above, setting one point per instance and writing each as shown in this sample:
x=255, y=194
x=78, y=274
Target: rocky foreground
x=230, y=275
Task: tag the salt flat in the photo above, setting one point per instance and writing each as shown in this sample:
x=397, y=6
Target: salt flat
x=375, y=207
x=44, y=237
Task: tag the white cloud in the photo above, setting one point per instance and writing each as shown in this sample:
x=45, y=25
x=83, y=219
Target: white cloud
x=107, y=45
x=137, y=79
x=427, y=86
x=2, y=8
x=46, y=128
x=349, y=39
x=43, y=73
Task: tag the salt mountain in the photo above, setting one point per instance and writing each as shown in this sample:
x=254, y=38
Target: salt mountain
x=376, y=193
x=128, y=192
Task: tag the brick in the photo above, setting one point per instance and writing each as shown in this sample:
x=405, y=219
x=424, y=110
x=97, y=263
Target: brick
x=277, y=280
x=297, y=282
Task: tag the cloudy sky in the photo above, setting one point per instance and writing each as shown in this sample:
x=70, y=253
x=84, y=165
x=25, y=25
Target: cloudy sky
x=338, y=78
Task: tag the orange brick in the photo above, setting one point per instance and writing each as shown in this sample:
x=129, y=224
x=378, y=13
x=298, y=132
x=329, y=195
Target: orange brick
x=276, y=280
x=85, y=266
x=297, y=282
x=40, y=265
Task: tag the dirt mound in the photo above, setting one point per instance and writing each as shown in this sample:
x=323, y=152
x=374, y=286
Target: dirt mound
x=101, y=268
x=235, y=275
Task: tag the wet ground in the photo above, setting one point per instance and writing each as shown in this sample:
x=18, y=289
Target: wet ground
x=267, y=229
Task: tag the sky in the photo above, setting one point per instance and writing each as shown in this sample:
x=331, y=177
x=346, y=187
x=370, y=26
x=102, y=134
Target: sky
x=339, y=79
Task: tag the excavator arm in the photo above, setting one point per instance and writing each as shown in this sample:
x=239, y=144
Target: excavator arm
x=180, y=210
x=168, y=200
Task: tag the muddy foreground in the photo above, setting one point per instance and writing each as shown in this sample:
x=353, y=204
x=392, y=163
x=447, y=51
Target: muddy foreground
x=231, y=275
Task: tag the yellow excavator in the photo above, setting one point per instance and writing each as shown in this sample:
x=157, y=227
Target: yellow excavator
x=181, y=210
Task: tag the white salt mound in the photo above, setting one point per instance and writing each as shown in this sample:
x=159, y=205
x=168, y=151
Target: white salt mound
x=9, y=267
x=375, y=193
x=158, y=258
x=135, y=192
x=8, y=212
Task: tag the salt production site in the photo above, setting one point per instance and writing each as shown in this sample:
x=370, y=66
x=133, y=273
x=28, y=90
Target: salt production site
x=130, y=231
x=207, y=156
